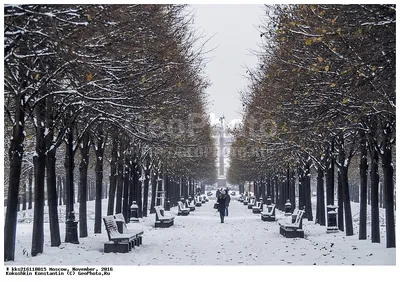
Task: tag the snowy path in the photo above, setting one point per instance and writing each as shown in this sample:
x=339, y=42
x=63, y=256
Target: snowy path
x=200, y=239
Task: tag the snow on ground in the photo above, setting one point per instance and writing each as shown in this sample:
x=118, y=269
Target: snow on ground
x=200, y=239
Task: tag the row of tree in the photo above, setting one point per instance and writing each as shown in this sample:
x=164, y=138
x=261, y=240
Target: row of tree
x=324, y=92
x=117, y=86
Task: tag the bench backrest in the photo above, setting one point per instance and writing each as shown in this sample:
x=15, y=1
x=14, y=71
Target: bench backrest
x=111, y=226
x=159, y=213
x=299, y=219
x=120, y=217
x=180, y=206
x=271, y=210
x=187, y=203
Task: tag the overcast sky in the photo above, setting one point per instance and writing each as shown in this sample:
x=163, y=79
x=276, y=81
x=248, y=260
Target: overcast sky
x=234, y=31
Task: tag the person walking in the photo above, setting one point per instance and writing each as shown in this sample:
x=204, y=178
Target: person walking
x=217, y=193
x=227, y=201
x=221, y=205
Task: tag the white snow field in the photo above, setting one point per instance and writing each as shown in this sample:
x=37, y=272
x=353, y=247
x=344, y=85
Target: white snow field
x=201, y=240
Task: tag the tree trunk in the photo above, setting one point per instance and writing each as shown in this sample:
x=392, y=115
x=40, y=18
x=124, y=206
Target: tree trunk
x=293, y=189
x=160, y=188
x=273, y=189
x=83, y=185
x=340, y=202
x=167, y=189
x=388, y=187
x=146, y=186
x=154, y=177
x=24, y=197
x=287, y=192
x=344, y=168
x=125, y=204
x=30, y=192
x=113, y=177
x=59, y=185
x=105, y=191
x=138, y=184
x=120, y=179
x=39, y=167
x=52, y=198
x=320, y=197
x=184, y=187
x=362, y=233
x=191, y=187
x=71, y=231
x=301, y=188
x=15, y=155
x=330, y=177
x=346, y=202
x=99, y=150
x=276, y=190
x=307, y=181
x=268, y=187
x=374, y=175
x=131, y=180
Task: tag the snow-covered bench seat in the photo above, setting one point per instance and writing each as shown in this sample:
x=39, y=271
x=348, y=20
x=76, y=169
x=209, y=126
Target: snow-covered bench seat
x=251, y=203
x=190, y=205
x=123, y=229
x=198, y=201
x=163, y=220
x=257, y=208
x=295, y=229
x=182, y=210
x=269, y=214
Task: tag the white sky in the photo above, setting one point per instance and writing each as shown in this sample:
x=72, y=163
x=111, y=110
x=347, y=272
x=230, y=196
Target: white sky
x=233, y=28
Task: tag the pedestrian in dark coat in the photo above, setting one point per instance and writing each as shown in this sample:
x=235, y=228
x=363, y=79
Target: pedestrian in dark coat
x=227, y=201
x=222, y=205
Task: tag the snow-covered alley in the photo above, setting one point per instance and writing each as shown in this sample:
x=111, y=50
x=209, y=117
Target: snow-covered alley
x=200, y=239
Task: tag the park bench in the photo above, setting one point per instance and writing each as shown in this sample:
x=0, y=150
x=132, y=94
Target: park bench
x=251, y=203
x=163, y=220
x=190, y=205
x=295, y=229
x=123, y=229
x=118, y=243
x=258, y=207
x=269, y=214
x=182, y=210
x=198, y=201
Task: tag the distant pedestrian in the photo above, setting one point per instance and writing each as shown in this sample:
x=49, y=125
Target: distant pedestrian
x=227, y=201
x=217, y=193
x=221, y=205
